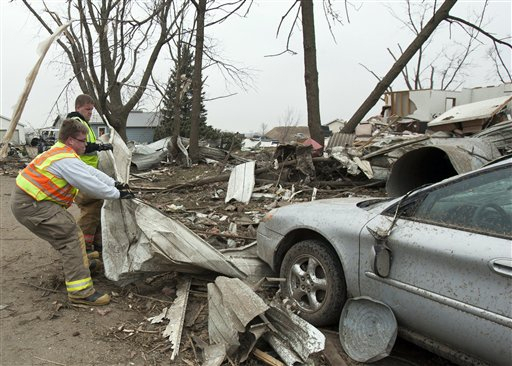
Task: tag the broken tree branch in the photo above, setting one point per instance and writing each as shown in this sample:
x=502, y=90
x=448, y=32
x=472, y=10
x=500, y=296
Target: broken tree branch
x=42, y=288
x=399, y=65
x=49, y=361
x=451, y=18
x=265, y=357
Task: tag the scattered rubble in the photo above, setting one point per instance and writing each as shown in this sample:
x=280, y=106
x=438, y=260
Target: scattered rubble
x=194, y=226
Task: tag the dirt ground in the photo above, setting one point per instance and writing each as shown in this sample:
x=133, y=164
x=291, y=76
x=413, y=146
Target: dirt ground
x=38, y=326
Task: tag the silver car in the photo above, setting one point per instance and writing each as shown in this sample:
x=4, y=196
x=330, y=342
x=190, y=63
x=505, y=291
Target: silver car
x=440, y=257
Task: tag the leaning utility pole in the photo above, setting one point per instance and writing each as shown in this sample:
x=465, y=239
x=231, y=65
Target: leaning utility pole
x=386, y=81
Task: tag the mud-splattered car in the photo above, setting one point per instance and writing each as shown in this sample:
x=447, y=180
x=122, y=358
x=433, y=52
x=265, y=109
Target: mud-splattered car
x=439, y=256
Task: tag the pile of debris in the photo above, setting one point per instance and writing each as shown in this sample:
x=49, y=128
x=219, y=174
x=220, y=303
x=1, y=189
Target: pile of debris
x=200, y=221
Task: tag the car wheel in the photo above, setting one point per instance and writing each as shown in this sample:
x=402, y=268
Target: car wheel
x=314, y=281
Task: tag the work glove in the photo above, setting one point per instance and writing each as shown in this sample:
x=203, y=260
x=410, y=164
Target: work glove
x=120, y=185
x=104, y=147
x=125, y=194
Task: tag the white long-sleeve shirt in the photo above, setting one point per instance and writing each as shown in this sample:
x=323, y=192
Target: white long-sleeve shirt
x=91, y=181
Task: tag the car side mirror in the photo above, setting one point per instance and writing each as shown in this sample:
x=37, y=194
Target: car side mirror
x=381, y=264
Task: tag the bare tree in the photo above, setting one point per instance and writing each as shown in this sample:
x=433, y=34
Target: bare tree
x=263, y=129
x=289, y=120
x=310, y=71
x=227, y=10
x=309, y=47
x=197, y=80
x=112, y=47
x=436, y=68
x=448, y=72
x=503, y=68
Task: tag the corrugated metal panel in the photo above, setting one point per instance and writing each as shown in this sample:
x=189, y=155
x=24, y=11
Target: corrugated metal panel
x=341, y=139
x=437, y=159
x=231, y=306
x=500, y=135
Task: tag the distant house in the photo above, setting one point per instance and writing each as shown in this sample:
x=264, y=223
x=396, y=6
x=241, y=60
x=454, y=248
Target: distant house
x=287, y=134
x=18, y=138
x=425, y=105
x=140, y=126
x=336, y=125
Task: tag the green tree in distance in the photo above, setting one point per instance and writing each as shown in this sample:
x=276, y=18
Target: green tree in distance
x=182, y=90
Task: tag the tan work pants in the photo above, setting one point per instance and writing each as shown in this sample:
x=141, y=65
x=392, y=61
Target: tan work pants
x=56, y=225
x=90, y=219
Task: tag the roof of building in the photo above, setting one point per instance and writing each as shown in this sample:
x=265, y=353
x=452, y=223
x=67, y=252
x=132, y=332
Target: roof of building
x=337, y=120
x=135, y=119
x=6, y=121
x=466, y=112
x=288, y=133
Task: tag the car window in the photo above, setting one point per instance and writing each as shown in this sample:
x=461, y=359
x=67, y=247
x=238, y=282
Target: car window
x=481, y=203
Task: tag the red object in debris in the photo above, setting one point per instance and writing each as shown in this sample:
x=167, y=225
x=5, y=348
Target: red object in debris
x=317, y=148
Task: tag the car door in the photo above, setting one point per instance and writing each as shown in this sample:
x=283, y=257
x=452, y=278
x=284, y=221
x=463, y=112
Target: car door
x=450, y=273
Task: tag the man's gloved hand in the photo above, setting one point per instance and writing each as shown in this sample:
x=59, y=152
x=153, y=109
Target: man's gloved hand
x=120, y=185
x=125, y=194
x=104, y=147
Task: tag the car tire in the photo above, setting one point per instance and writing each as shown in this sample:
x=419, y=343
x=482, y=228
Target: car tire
x=314, y=281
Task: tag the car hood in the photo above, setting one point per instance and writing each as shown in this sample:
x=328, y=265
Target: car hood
x=325, y=216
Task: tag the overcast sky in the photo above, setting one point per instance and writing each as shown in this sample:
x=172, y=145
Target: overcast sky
x=277, y=82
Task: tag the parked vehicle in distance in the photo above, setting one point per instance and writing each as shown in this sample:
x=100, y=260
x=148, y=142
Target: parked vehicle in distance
x=439, y=256
x=46, y=138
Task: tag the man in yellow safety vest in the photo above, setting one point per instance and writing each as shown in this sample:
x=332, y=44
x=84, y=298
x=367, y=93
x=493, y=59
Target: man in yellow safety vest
x=46, y=188
x=90, y=207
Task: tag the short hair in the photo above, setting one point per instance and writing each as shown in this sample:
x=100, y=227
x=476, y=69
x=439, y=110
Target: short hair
x=82, y=100
x=71, y=128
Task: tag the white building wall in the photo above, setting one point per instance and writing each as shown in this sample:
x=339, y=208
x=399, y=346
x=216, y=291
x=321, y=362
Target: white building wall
x=19, y=134
x=431, y=103
x=489, y=92
x=335, y=126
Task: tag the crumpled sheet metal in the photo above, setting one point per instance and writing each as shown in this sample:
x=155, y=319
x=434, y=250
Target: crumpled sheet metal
x=232, y=304
x=138, y=239
x=464, y=155
x=116, y=163
x=176, y=316
x=294, y=339
x=246, y=259
x=146, y=156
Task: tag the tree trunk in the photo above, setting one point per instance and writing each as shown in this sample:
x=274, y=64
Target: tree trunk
x=311, y=72
x=196, y=83
x=386, y=81
x=176, y=124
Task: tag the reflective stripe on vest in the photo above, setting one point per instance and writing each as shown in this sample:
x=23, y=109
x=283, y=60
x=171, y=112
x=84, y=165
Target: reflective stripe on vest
x=42, y=185
x=90, y=158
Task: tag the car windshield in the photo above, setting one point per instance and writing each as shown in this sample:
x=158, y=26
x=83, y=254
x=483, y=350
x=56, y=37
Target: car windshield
x=482, y=202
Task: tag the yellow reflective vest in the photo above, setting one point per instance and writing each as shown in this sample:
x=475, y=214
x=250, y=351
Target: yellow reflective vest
x=42, y=185
x=90, y=158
